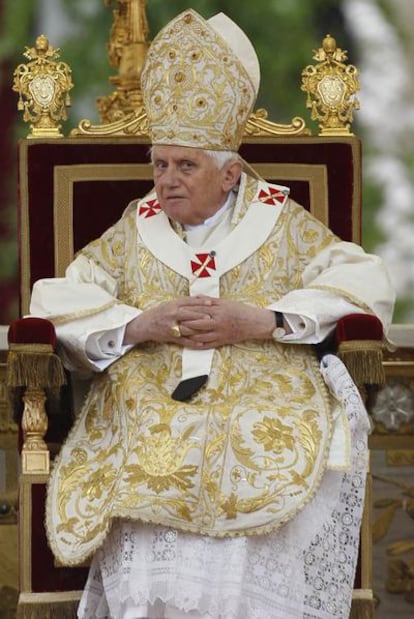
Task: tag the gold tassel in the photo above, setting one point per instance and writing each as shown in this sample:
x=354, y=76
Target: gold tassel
x=59, y=605
x=60, y=610
x=34, y=365
x=363, y=360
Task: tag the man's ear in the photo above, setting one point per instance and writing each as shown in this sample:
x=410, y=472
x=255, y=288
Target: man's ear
x=231, y=174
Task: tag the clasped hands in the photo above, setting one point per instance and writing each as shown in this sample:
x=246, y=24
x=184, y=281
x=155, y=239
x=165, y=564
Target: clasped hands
x=200, y=322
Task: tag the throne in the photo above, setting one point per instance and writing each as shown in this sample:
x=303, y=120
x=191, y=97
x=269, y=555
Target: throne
x=72, y=188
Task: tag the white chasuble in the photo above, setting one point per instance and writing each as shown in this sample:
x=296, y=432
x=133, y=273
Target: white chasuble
x=249, y=450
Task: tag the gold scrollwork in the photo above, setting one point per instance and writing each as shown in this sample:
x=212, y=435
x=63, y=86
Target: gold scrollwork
x=133, y=125
x=258, y=125
x=43, y=85
x=331, y=86
x=136, y=125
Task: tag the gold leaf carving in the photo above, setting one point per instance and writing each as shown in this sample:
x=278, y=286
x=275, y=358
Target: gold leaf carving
x=383, y=522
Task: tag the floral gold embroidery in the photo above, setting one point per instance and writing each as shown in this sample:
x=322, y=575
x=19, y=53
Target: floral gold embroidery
x=99, y=480
x=161, y=459
x=230, y=506
x=274, y=435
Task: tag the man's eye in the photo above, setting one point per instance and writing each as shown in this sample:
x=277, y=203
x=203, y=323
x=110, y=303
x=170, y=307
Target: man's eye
x=187, y=165
x=160, y=165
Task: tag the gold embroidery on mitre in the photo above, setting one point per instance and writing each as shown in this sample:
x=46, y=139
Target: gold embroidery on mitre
x=196, y=90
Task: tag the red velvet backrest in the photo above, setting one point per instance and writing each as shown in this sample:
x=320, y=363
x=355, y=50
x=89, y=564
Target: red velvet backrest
x=72, y=189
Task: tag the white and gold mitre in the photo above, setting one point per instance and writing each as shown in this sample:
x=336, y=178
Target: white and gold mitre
x=200, y=82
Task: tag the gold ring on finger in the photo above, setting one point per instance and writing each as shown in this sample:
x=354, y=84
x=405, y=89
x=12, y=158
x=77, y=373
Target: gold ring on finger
x=175, y=331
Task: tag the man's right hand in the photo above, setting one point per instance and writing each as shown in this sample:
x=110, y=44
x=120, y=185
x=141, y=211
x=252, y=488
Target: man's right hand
x=159, y=324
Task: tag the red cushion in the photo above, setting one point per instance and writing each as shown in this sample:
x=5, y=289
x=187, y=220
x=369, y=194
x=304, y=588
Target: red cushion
x=359, y=327
x=32, y=331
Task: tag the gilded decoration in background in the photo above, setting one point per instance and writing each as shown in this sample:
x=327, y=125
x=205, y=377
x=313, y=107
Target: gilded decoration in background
x=127, y=49
x=393, y=409
x=392, y=460
x=43, y=85
x=392, y=529
x=122, y=112
x=258, y=125
x=331, y=86
x=34, y=367
x=136, y=125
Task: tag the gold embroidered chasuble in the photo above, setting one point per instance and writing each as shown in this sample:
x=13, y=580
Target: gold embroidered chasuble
x=249, y=450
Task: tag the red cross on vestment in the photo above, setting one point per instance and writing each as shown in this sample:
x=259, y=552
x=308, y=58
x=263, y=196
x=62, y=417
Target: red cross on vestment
x=150, y=208
x=273, y=196
x=204, y=262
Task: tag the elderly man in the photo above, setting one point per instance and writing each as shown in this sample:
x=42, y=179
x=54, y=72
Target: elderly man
x=216, y=468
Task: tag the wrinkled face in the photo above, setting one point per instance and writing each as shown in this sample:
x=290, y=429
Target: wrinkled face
x=189, y=186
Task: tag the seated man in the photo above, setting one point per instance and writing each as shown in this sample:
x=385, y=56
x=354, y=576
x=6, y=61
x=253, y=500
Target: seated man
x=217, y=468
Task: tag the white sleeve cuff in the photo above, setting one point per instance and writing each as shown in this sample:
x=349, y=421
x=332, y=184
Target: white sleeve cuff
x=106, y=345
x=301, y=326
x=312, y=314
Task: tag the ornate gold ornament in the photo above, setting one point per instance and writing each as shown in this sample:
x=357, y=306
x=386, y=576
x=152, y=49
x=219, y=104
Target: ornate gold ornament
x=331, y=86
x=127, y=49
x=122, y=112
x=134, y=125
x=35, y=368
x=258, y=125
x=43, y=85
x=35, y=454
x=393, y=409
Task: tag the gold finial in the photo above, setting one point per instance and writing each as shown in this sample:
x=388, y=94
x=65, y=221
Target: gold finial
x=43, y=85
x=331, y=86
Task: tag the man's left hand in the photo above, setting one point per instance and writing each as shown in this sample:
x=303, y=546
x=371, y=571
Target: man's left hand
x=228, y=322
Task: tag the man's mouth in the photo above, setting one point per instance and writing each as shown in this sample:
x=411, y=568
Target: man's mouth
x=173, y=198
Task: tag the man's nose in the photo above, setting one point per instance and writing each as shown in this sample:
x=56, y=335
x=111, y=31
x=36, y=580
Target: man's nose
x=170, y=177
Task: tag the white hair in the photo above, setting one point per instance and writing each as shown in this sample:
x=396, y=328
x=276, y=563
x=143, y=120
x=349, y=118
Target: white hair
x=219, y=157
